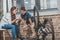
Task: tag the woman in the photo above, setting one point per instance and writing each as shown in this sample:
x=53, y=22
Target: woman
x=10, y=21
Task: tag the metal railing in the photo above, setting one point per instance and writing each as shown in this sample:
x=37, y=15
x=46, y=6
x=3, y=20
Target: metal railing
x=36, y=11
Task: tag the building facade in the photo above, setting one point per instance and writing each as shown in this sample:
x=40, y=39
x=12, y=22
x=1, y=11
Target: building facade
x=29, y=4
x=48, y=9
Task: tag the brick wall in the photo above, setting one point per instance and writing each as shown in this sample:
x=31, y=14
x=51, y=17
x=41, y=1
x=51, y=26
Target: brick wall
x=56, y=24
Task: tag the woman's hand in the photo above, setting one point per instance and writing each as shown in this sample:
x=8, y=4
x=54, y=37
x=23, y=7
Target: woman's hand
x=18, y=18
x=15, y=20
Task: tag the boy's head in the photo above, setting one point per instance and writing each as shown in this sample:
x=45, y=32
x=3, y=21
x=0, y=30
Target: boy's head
x=23, y=10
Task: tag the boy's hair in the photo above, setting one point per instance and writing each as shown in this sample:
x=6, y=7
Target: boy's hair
x=23, y=8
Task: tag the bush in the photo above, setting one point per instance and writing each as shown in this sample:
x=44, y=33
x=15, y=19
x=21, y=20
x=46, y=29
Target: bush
x=1, y=14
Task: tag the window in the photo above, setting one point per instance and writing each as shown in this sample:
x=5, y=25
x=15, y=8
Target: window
x=47, y=4
x=18, y=4
x=43, y=4
x=29, y=4
x=8, y=5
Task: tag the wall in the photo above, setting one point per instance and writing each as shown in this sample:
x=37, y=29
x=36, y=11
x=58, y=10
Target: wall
x=56, y=25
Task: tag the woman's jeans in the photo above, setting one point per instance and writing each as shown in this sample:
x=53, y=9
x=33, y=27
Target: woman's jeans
x=13, y=29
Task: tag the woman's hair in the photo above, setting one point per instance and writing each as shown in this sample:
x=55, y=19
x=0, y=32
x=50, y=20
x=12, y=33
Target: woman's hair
x=12, y=9
x=13, y=16
x=23, y=8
